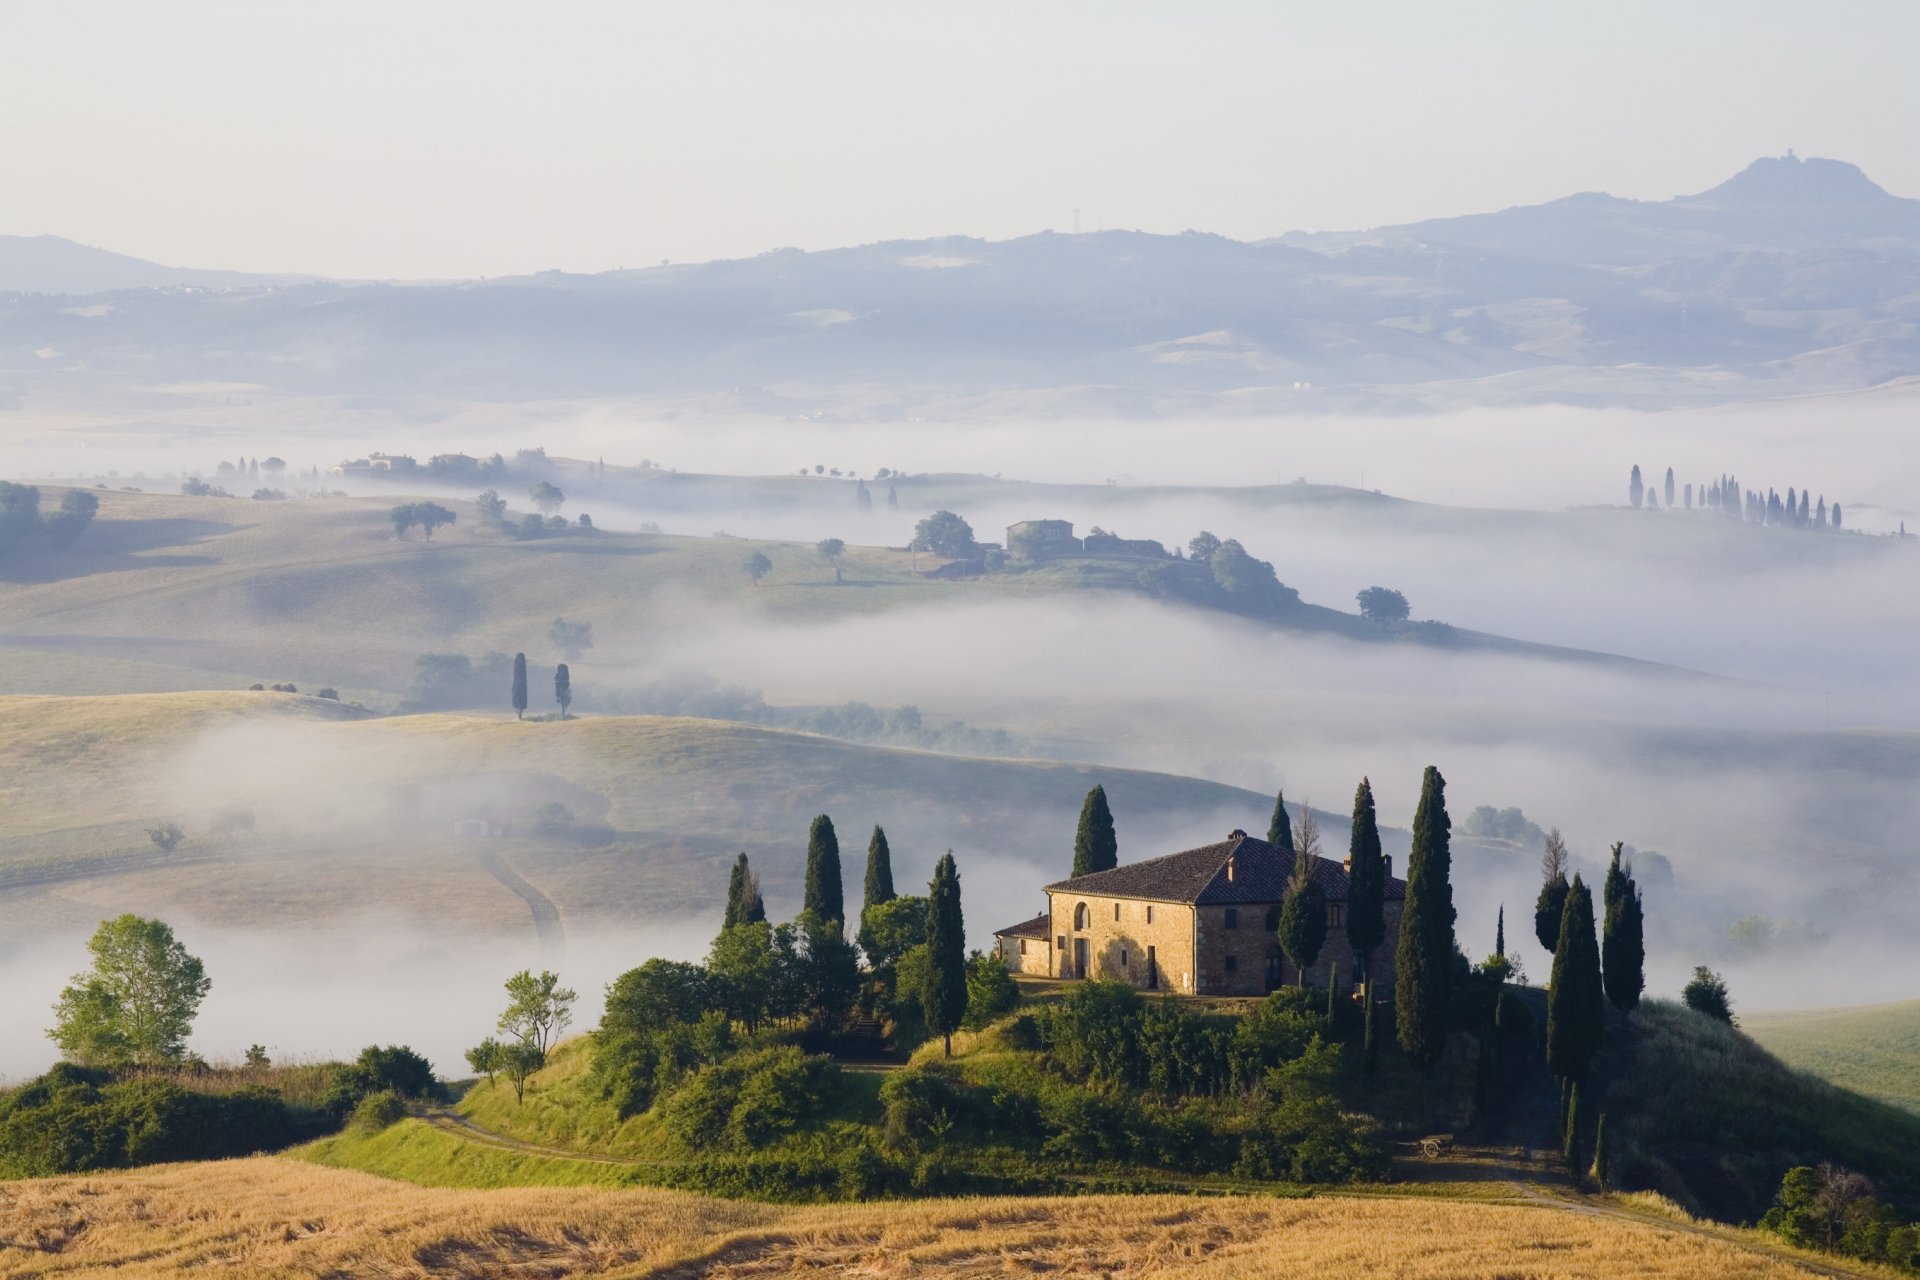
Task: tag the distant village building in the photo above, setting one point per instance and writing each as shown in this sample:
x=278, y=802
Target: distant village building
x=1201, y=922
x=1024, y=947
x=1100, y=543
x=1040, y=539
x=391, y=462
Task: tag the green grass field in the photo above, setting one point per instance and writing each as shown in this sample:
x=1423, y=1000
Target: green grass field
x=1874, y=1049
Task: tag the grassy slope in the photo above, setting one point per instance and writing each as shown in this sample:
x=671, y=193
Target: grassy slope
x=167, y=592
x=1873, y=1050
x=284, y=1218
x=354, y=811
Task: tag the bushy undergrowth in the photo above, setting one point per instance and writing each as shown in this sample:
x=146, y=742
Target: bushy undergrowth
x=74, y=1120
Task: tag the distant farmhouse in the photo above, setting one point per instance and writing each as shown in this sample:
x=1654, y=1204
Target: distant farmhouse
x=1202, y=922
x=1048, y=539
x=375, y=462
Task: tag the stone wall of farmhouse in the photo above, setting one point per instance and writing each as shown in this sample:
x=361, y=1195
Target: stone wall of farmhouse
x=1149, y=944
x=1197, y=951
x=1027, y=955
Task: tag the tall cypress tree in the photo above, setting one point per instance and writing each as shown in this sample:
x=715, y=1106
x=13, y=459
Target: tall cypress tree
x=944, y=999
x=1366, y=882
x=1095, y=847
x=737, y=892
x=563, y=688
x=825, y=894
x=1623, y=951
x=519, y=686
x=1279, y=829
x=1425, y=957
x=1303, y=914
x=1551, y=905
x=879, y=886
x=1500, y=933
x=1576, y=1007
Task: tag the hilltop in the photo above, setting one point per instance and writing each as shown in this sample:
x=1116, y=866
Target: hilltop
x=1872, y=1049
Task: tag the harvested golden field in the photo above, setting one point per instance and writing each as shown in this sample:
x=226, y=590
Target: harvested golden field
x=269, y=1217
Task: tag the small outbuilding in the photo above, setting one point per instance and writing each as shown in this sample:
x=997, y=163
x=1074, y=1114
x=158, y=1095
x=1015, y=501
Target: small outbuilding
x=1023, y=947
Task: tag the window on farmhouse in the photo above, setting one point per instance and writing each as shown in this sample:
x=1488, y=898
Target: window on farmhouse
x=1116, y=911
x=1233, y=964
x=1233, y=918
x=1080, y=916
x=1336, y=914
x=1023, y=946
x=1061, y=941
x=1149, y=913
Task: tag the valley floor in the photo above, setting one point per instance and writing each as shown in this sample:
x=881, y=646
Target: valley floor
x=278, y=1217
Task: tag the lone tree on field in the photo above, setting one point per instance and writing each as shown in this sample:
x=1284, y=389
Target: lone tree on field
x=519, y=686
x=539, y=1009
x=1425, y=957
x=167, y=836
x=1707, y=993
x=492, y=508
x=135, y=1006
x=1366, y=883
x=1623, y=950
x=1279, y=827
x=563, y=688
x=431, y=515
x=831, y=549
x=1095, y=847
x=1303, y=912
x=757, y=566
x=547, y=498
x=825, y=893
x=944, y=998
x=403, y=518
x=1383, y=605
x=944, y=534
x=572, y=639
x=1576, y=1005
x=1551, y=906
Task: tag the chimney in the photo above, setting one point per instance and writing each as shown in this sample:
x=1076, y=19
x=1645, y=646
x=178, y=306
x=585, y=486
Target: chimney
x=1386, y=860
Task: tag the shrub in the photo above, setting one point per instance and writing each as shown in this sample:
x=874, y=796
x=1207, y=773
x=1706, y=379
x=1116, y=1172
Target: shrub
x=395, y=1067
x=1094, y=1032
x=748, y=1100
x=72, y=1120
x=991, y=990
x=918, y=1106
x=377, y=1111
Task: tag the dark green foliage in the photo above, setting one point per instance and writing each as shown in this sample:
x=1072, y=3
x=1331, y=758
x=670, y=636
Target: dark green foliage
x=750, y=1099
x=919, y=1106
x=1299, y=1133
x=1094, y=1032
x=826, y=971
x=825, y=892
x=394, y=1067
x=1571, y=1145
x=943, y=533
x=1500, y=933
x=739, y=885
x=1303, y=915
x=1576, y=1004
x=879, y=883
x=1548, y=910
x=1248, y=585
x=563, y=688
x=73, y=1120
x=1383, y=605
x=380, y=1110
x=1280, y=827
x=1602, y=1156
x=1838, y=1211
x=657, y=993
x=1095, y=847
x=892, y=929
x=519, y=685
x=1427, y=948
x=1367, y=883
x=991, y=990
x=634, y=1064
x=1370, y=1043
x=427, y=516
x=1623, y=950
x=1707, y=993
x=943, y=1000
x=751, y=968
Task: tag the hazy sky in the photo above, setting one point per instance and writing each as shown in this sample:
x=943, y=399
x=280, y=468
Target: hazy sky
x=469, y=138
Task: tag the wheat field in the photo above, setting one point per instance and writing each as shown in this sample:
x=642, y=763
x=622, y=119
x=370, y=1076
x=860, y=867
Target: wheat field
x=269, y=1217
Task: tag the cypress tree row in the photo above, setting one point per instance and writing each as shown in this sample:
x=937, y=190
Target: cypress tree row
x=1303, y=912
x=1623, y=950
x=1095, y=848
x=1426, y=930
x=879, y=886
x=1279, y=830
x=1551, y=905
x=1576, y=1007
x=519, y=686
x=825, y=894
x=1367, y=882
x=945, y=997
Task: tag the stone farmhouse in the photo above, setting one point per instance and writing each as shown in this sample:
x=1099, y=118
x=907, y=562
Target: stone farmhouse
x=1045, y=539
x=1201, y=922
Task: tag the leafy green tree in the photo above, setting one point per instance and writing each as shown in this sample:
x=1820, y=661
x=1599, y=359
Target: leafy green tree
x=991, y=990
x=944, y=534
x=1366, y=883
x=1279, y=827
x=757, y=566
x=944, y=998
x=1426, y=951
x=492, y=508
x=519, y=686
x=486, y=1058
x=1383, y=605
x=828, y=970
x=137, y=1003
x=1623, y=950
x=563, y=688
x=825, y=891
x=518, y=1061
x=1576, y=1004
x=167, y=836
x=572, y=639
x=1095, y=847
x=430, y=516
x=1303, y=912
x=547, y=498
x=747, y=972
x=831, y=549
x=1202, y=546
x=404, y=518
x=890, y=929
x=77, y=508
x=1551, y=906
x=1707, y=993
x=538, y=1010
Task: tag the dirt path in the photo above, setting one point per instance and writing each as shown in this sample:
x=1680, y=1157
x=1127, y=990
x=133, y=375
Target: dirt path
x=467, y=1131
x=546, y=916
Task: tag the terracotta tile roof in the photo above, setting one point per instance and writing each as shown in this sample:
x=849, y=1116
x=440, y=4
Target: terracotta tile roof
x=1199, y=876
x=1034, y=928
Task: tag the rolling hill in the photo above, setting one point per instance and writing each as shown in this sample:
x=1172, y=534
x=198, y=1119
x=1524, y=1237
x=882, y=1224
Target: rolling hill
x=1874, y=1049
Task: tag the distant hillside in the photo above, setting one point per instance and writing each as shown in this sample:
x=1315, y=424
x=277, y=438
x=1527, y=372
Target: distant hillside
x=1874, y=1049
x=1792, y=277
x=50, y=264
